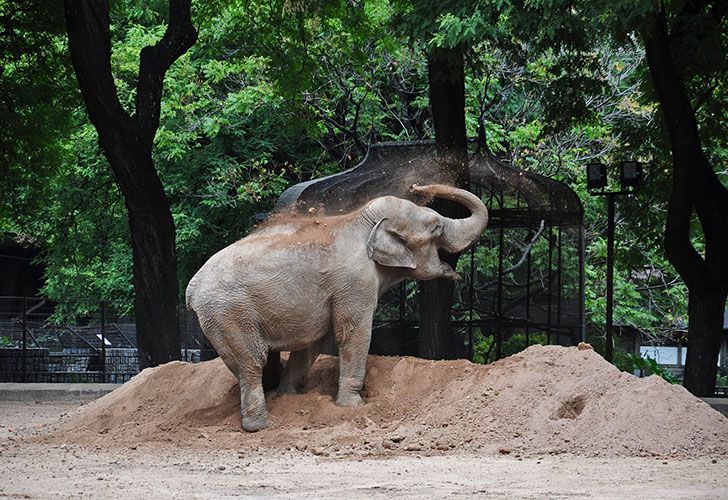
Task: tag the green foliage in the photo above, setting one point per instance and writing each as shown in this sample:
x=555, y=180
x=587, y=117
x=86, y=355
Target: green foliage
x=630, y=362
x=83, y=226
x=278, y=92
x=484, y=346
x=36, y=99
x=6, y=342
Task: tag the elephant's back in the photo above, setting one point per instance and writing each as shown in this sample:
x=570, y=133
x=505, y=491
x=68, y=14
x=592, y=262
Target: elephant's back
x=255, y=267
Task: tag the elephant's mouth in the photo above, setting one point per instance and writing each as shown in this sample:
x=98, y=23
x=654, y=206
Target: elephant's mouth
x=448, y=272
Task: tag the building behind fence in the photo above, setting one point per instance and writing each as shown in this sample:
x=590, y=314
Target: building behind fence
x=43, y=340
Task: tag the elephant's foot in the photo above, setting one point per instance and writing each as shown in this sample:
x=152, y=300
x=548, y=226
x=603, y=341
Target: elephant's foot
x=349, y=399
x=254, y=424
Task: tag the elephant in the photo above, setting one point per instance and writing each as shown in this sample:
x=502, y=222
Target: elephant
x=290, y=284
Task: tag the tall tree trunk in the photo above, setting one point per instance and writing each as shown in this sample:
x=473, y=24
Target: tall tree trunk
x=446, y=75
x=706, y=327
x=155, y=266
x=127, y=143
x=695, y=189
x=447, y=101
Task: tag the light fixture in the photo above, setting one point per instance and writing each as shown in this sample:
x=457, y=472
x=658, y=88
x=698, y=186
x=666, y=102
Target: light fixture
x=630, y=175
x=596, y=176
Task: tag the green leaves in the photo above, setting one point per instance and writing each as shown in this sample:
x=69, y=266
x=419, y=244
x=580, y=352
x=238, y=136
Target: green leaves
x=454, y=30
x=277, y=92
x=36, y=101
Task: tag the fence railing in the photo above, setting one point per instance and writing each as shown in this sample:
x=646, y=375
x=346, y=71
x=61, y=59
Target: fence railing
x=44, y=340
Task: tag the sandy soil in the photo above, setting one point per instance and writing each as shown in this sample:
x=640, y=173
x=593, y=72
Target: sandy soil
x=544, y=400
x=34, y=470
x=549, y=422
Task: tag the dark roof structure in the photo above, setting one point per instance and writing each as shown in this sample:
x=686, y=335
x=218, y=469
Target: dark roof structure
x=538, y=197
x=390, y=168
x=387, y=169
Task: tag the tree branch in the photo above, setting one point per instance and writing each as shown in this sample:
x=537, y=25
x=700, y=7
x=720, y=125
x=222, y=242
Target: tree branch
x=522, y=260
x=89, y=41
x=155, y=60
x=695, y=185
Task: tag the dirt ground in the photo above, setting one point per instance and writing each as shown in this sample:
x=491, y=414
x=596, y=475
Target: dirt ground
x=34, y=470
x=546, y=400
x=549, y=422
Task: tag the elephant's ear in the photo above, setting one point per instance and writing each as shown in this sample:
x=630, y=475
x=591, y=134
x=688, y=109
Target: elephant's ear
x=386, y=246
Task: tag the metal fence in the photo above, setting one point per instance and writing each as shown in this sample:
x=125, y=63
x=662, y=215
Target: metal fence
x=44, y=340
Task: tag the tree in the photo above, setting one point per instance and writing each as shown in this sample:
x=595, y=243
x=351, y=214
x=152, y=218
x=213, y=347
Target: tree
x=446, y=75
x=696, y=189
x=421, y=22
x=686, y=51
x=35, y=104
x=127, y=141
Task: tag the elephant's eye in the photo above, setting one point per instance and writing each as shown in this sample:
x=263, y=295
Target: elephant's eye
x=436, y=227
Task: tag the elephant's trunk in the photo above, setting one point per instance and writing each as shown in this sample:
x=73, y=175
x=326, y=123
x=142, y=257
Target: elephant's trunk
x=458, y=234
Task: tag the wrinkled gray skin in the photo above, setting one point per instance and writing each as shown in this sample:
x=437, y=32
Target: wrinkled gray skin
x=289, y=285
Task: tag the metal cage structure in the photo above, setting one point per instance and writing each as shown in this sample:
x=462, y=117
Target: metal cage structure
x=44, y=340
x=523, y=281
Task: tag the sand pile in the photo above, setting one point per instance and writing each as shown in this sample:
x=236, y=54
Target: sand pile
x=546, y=399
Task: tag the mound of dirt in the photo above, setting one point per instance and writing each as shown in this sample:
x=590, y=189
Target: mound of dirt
x=546, y=399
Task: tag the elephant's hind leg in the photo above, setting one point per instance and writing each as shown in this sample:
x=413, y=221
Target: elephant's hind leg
x=254, y=415
x=245, y=358
x=297, y=367
x=252, y=357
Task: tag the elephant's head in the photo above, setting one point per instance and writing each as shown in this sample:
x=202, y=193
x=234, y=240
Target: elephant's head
x=409, y=236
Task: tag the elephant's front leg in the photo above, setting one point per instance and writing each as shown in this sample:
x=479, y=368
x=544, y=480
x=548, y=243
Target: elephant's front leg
x=353, y=336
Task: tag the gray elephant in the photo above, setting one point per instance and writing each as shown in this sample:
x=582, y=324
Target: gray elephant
x=290, y=284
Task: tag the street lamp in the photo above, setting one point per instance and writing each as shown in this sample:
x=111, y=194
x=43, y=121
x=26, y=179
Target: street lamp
x=596, y=176
x=597, y=182
x=630, y=175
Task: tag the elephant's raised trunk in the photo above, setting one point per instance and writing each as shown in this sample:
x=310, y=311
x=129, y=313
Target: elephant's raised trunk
x=458, y=234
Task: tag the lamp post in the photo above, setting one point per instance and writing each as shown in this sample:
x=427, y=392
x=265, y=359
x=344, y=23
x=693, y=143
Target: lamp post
x=630, y=176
